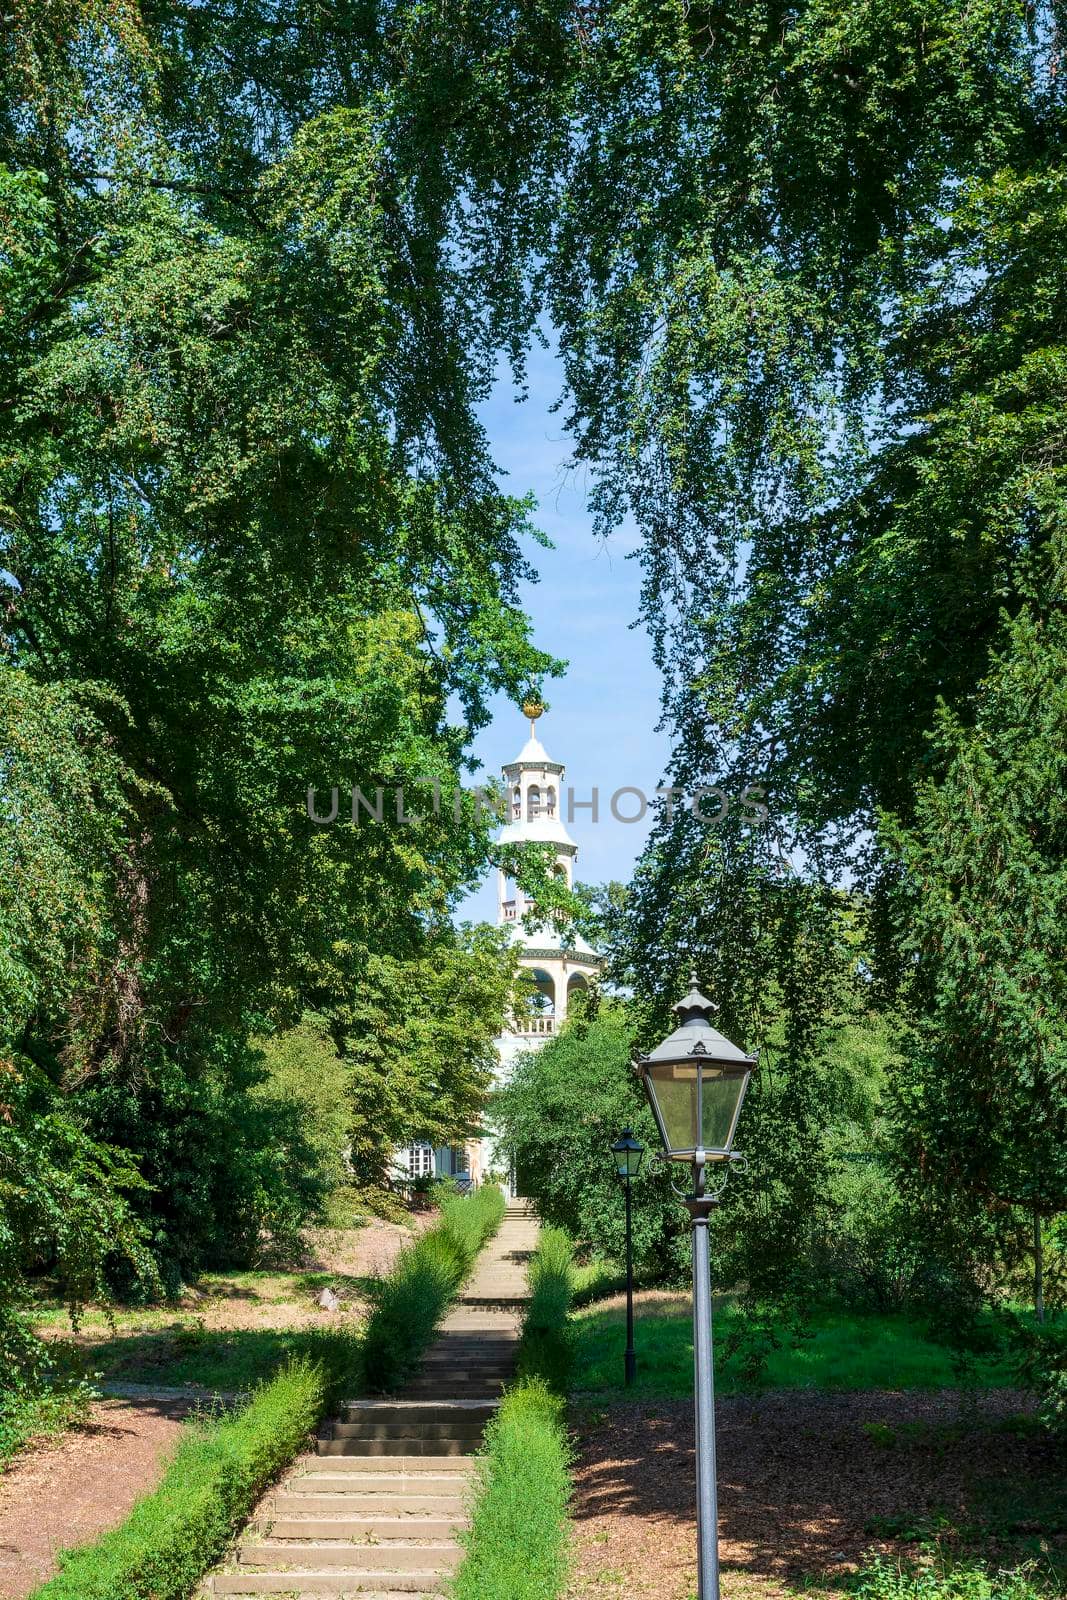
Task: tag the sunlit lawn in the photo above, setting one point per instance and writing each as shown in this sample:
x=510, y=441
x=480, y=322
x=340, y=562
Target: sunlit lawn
x=234, y=1332
x=835, y=1350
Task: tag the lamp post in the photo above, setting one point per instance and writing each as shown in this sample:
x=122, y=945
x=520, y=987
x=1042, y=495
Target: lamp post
x=695, y=1082
x=628, y=1152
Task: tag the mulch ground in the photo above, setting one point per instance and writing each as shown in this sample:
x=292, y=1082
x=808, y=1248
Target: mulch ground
x=801, y=1479
x=64, y=1493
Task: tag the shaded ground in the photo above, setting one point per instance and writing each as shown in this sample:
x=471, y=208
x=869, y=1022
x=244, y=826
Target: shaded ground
x=808, y=1485
x=64, y=1493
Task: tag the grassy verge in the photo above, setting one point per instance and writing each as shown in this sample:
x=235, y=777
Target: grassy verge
x=189, y=1355
x=517, y=1542
x=423, y=1283
x=839, y=1350
x=213, y=1481
x=595, y=1280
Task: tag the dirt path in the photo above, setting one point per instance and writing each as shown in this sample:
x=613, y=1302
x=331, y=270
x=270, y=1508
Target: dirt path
x=808, y=1484
x=66, y=1493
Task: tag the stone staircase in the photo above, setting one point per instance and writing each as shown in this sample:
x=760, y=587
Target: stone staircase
x=375, y=1511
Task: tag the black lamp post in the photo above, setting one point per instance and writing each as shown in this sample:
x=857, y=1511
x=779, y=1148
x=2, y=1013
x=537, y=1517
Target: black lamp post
x=628, y=1152
x=695, y=1082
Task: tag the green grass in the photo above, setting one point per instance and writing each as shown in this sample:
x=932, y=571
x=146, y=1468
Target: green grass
x=517, y=1542
x=227, y=1359
x=840, y=1350
x=173, y=1535
x=594, y=1280
x=172, y=1345
x=25, y=1419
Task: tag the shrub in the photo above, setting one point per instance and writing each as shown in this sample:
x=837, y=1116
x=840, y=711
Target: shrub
x=516, y=1545
x=546, y=1350
x=885, y=1581
x=303, y=1069
x=1041, y=1362
x=469, y=1220
x=422, y=1284
x=65, y=1209
x=214, y=1479
x=517, y=1541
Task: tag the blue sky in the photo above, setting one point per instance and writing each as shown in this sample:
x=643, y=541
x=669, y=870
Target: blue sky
x=604, y=711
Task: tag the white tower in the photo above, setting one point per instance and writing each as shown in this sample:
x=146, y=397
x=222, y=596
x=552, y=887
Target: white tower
x=559, y=965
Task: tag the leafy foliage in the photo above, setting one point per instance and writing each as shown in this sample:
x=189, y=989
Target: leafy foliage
x=250, y=546
x=304, y=1070
x=65, y=1208
x=419, y=1039
x=983, y=1096
x=559, y=1115
x=963, y=1581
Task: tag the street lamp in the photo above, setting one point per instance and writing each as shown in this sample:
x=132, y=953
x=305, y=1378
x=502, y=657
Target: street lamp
x=628, y=1152
x=695, y=1082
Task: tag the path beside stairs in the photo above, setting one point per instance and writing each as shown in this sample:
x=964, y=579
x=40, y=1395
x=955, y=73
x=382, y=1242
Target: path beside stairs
x=375, y=1511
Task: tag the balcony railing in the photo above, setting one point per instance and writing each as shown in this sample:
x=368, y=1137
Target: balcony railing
x=537, y=1025
x=510, y=911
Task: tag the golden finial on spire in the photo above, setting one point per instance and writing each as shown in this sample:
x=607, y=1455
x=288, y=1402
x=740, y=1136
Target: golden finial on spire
x=533, y=708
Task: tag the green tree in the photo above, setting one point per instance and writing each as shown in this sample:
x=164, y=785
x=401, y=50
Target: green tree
x=982, y=1097
x=304, y=1069
x=559, y=1114
x=64, y=1209
x=229, y=534
x=419, y=1038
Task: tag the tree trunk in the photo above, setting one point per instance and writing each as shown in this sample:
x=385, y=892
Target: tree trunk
x=1039, y=1270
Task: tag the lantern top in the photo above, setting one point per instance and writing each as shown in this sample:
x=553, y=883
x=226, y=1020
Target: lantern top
x=695, y=1036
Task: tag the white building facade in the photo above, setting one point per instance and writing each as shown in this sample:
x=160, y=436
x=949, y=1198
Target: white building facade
x=560, y=965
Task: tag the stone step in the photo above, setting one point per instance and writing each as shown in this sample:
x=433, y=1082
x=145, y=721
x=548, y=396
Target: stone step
x=468, y=1380
x=380, y=1482
x=491, y=1366
x=480, y=1350
x=460, y=1356
x=439, y=1557
x=404, y=1448
x=464, y=1342
x=497, y=1325
x=380, y=1526
x=430, y=1390
x=357, y=1503
x=369, y=1585
x=454, y=1428
x=419, y=1462
x=409, y=1411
